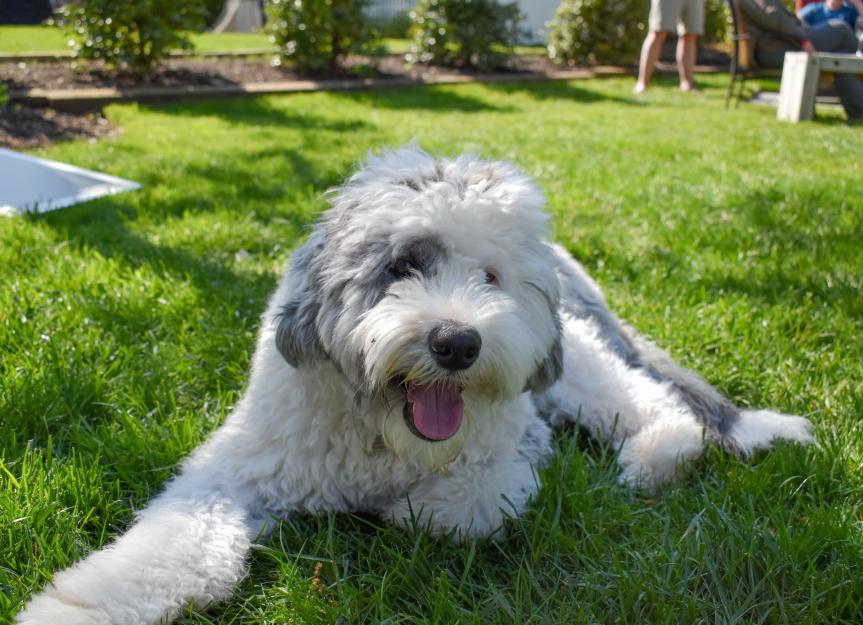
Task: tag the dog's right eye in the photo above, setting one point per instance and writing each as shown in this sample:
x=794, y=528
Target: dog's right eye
x=402, y=268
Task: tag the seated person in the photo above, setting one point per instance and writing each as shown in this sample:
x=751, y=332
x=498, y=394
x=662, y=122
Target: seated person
x=821, y=12
x=774, y=30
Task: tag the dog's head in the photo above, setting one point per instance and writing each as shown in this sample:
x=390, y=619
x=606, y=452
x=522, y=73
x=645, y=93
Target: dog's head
x=429, y=286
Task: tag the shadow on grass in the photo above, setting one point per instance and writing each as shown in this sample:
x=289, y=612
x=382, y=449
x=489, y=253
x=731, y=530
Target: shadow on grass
x=781, y=286
x=269, y=173
x=225, y=299
x=103, y=226
x=246, y=179
x=260, y=112
x=838, y=119
x=562, y=90
x=106, y=227
x=434, y=98
x=793, y=229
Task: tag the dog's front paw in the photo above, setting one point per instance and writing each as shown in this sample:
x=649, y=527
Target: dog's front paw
x=659, y=453
x=470, y=501
x=53, y=607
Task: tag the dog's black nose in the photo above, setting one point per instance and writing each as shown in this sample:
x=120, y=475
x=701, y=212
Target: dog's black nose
x=454, y=345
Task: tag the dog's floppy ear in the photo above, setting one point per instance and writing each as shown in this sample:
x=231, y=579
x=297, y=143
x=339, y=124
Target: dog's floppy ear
x=551, y=367
x=297, y=335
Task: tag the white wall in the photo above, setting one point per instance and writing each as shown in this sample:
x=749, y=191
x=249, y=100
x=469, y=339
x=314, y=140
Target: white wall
x=537, y=13
x=386, y=9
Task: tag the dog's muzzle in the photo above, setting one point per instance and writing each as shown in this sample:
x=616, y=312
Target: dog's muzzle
x=434, y=412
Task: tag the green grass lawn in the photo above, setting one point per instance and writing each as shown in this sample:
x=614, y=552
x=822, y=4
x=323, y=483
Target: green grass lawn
x=127, y=324
x=23, y=39
x=210, y=42
x=402, y=46
x=31, y=39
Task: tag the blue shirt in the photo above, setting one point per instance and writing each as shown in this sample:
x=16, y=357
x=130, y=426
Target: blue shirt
x=818, y=13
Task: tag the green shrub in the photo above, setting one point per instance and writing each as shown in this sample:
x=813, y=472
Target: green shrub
x=464, y=33
x=396, y=27
x=317, y=34
x=212, y=10
x=717, y=22
x=4, y=96
x=137, y=34
x=597, y=31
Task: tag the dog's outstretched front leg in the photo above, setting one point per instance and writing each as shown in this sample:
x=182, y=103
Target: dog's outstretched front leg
x=188, y=546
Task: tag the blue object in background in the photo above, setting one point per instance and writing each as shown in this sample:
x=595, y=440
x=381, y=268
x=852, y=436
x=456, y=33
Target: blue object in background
x=818, y=13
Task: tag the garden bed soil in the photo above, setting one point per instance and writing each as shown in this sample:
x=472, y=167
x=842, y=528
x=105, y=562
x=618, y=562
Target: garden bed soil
x=23, y=127
x=220, y=72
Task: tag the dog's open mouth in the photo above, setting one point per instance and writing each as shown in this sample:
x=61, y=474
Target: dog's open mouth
x=434, y=412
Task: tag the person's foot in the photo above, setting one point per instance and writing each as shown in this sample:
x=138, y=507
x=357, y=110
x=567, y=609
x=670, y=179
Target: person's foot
x=639, y=88
x=689, y=87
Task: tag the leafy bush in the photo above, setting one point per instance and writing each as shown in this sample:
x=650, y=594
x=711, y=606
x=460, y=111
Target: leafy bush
x=597, y=31
x=137, y=34
x=317, y=34
x=465, y=33
x=717, y=22
x=397, y=27
x=212, y=10
x=4, y=96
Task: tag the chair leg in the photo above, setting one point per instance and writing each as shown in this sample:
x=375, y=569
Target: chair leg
x=741, y=88
x=732, y=78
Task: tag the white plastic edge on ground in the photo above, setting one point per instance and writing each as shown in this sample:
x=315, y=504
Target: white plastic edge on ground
x=36, y=185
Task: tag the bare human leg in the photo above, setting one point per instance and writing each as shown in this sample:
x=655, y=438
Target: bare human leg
x=686, y=48
x=650, y=50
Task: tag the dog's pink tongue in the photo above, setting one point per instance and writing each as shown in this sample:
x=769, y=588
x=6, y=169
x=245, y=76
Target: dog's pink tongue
x=437, y=410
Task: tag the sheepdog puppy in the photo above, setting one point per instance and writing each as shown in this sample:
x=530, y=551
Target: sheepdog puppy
x=411, y=364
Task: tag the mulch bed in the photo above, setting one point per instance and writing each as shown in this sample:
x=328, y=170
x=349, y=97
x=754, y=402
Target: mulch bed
x=218, y=72
x=22, y=127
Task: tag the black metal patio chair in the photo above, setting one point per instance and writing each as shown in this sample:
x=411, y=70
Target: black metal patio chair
x=743, y=55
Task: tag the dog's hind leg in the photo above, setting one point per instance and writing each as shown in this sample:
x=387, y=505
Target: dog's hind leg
x=188, y=546
x=739, y=430
x=659, y=414
x=654, y=429
x=622, y=387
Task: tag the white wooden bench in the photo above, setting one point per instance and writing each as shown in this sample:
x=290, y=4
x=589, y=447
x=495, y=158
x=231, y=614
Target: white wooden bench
x=800, y=80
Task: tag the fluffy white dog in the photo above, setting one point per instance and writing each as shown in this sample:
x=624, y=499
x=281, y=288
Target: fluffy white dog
x=410, y=364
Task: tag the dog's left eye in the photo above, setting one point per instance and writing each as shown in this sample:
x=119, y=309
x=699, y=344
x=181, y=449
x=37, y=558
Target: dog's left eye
x=491, y=279
x=402, y=268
